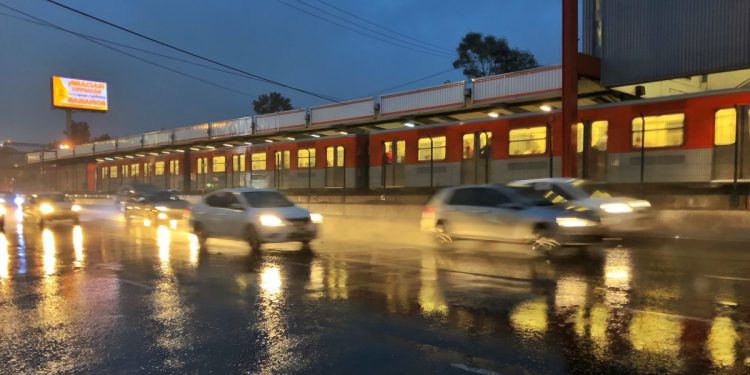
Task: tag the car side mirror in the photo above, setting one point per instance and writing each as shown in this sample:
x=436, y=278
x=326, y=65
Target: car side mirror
x=236, y=206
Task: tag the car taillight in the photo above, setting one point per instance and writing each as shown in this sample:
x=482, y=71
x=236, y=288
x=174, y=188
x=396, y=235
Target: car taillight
x=428, y=210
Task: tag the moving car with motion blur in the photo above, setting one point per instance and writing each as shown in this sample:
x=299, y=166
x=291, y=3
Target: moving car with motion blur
x=129, y=193
x=46, y=207
x=159, y=207
x=618, y=214
x=499, y=213
x=257, y=216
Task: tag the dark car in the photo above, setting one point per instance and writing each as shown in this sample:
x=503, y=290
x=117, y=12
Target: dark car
x=129, y=193
x=158, y=207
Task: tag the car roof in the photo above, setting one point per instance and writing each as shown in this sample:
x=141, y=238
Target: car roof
x=552, y=180
x=245, y=190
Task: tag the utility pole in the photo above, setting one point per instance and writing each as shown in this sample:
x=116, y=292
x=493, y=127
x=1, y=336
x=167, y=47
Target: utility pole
x=569, y=84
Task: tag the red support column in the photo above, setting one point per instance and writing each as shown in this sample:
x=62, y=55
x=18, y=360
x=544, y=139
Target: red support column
x=569, y=85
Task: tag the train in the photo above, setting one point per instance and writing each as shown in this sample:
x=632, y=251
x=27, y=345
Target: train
x=689, y=139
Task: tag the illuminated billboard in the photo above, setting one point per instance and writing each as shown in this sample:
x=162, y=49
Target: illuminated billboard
x=79, y=94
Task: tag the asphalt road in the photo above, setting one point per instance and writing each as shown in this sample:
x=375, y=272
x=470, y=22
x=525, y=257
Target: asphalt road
x=106, y=297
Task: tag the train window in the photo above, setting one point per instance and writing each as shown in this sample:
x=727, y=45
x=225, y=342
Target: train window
x=258, y=161
x=159, y=168
x=282, y=159
x=219, y=164
x=598, y=136
x=174, y=167
x=306, y=158
x=527, y=141
x=468, y=144
x=113, y=171
x=134, y=169
x=725, y=127
x=238, y=163
x=337, y=159
x=431, y=148
x=105, y=172
x=400, y=152
x=660, y=131
x=202, y=165
x=125, y=171
x=147, y=169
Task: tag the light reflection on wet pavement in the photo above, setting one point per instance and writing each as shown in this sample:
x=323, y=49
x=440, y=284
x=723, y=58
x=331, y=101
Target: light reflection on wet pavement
x=104, y=297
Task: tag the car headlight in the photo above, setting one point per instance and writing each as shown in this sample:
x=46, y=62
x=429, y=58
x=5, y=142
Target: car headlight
x=75, y=208
x=616, y=208
x=162, y=216
x=316, y=218
x=639, y=204
x=46, y=208
x=18, y=201
x=574, y=222
x=2, y=210
x=161, y=208
x=271, y=221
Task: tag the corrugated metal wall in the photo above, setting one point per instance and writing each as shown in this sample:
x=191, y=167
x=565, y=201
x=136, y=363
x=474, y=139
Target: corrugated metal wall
x=105, y=146
x=189, y=133
x=240, y=126
x=282, y=120
x=443, y=96
x=129, y=143
x=84, y=149
x=157, y=138
x=343, y=112
x=649, y=40
x=519, y=84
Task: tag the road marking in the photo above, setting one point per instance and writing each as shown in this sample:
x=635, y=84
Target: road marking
x=475, y=370
x=727, y=278
x=134, y=283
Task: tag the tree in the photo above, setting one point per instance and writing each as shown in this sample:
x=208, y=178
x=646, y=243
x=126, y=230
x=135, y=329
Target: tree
x=483, y=55
x=271, y=103
x=78, y=133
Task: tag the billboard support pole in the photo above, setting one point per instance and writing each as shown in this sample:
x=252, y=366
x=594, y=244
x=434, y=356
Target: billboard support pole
x=69, y=124
x=569, y=84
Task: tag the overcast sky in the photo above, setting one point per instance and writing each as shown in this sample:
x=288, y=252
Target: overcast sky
x=263, y=37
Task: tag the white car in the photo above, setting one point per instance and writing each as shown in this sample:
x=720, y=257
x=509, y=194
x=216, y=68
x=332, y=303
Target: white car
x=618, y=214
x=257, y=216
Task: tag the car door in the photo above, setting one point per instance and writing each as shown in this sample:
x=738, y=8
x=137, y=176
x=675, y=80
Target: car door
x=463, y=214
x=233, y=217
x=502, y=221
x=207, y=213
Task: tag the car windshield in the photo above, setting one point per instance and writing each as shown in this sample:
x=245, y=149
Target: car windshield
x=529, y=196
x=266, y=199
x=164, y=196
x=53, y=198
x=590, y=189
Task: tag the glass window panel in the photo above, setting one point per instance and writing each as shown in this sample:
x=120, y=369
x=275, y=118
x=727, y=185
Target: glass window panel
x=219, y=164
x=528, y=141
x=330, y=159
x=134, y=169
x=431, y=148
x=400, y=152
x=238, y=163
x=105, y=172
x=340, y=156
x=725, y=127
x=598, y=136
x=660, y=131
x=147, y=169
x=125, y=170
x=113, y=171
x=202, y=165
x=258, y=161
x=306, y=158
x=159, y=168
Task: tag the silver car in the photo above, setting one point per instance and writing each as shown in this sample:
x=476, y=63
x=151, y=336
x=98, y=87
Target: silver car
x=618, y=214
x=257, y=216
x=499, y=213
x=46, y=207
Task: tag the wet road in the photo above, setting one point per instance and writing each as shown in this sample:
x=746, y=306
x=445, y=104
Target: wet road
x=106, y=297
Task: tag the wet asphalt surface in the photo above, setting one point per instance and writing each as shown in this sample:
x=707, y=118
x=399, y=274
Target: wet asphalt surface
x=106, y=297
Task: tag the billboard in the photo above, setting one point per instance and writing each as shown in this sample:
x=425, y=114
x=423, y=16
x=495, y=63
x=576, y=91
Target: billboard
x=79, y=94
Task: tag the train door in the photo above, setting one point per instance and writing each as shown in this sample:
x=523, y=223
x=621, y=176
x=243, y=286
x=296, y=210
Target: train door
x=173, y=177
x=591, y=150
x=731, y=154
x=281, y=169
x=201, y=171
x=394, y=168
x=475, y=159
x=237, y=172
x=335, y=168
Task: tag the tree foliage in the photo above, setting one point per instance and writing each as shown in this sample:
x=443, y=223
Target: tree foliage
x=271, y=103
x=78, y=133
x=483, y=55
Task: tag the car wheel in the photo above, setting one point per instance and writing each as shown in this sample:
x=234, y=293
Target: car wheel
x=442, y=237
x=544, y=243
x=201, y=234
x=251, y=236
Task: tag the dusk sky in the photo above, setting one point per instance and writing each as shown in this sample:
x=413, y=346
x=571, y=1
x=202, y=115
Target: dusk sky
x=263, y=37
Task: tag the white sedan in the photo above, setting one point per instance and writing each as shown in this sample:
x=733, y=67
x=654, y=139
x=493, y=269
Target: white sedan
x=618, y=214
x=257, y=216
